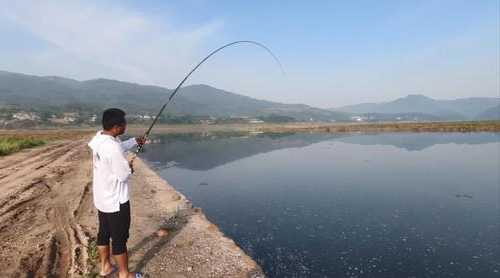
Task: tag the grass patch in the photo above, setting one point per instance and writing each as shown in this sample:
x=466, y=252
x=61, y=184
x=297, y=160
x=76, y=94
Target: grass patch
x=10, y=145
x=93, y=256
x=92, y=251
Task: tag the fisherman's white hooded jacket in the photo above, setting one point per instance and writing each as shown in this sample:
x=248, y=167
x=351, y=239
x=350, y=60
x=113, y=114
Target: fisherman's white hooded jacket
x=111, y=171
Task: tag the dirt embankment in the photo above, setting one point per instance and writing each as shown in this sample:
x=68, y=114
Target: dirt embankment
x=473, y=126
x=47, y=221
x=77, y=132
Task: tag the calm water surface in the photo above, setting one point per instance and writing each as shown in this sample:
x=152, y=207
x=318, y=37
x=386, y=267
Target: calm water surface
x=352, y=205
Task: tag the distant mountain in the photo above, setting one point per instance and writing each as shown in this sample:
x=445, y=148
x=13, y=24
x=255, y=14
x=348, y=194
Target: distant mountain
x=54, y=93
x=28, y=91
x=470, y=107
x=459, y=109
x=490, y=114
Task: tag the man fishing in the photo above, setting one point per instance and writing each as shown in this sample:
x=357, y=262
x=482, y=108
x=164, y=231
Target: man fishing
x=111, y=172
x=110, y=188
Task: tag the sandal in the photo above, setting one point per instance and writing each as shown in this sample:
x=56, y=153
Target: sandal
x=113, y=270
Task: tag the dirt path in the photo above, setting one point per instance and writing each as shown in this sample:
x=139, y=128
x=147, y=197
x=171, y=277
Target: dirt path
x=47, y=220
x=40, y=194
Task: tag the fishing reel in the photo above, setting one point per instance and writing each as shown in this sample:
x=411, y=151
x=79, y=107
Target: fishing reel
x=140, y=145
x=140, y=149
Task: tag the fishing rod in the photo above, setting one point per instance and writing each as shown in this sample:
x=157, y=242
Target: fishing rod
x=148, y=131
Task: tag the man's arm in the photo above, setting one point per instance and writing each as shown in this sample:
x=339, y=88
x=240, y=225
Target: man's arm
x=129, y=144
x=119, y=164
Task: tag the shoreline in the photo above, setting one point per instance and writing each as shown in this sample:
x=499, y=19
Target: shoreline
x=48, y=222
x=463, y=126
x=195, y=247
x=65, y=132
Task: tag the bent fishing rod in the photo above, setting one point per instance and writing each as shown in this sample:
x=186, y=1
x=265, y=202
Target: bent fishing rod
x=148, y=131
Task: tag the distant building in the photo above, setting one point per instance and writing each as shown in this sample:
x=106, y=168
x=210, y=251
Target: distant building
x=70, y=117
x=239, y=117
x=67, y=118
x=255, y=121
x=23, y=116
x=358, y=118
x=140, y=116
x=207, y=122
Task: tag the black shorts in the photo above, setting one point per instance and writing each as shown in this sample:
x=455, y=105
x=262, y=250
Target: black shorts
x=115, y=225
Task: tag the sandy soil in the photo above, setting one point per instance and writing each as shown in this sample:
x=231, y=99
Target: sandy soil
x=47, y=221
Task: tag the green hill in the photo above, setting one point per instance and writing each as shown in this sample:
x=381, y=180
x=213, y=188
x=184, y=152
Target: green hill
x=50, y=92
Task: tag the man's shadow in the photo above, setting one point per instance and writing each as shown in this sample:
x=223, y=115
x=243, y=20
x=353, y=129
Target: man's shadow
x=173, y=225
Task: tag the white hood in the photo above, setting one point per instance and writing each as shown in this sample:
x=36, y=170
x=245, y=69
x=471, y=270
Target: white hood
x=97, y=140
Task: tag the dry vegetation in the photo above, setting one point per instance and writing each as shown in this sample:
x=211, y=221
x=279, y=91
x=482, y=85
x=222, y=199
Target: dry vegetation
x=477, y=126
x=47, y=134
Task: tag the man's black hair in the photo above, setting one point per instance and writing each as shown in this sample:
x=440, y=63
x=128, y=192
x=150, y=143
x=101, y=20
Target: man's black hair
x=112, y=117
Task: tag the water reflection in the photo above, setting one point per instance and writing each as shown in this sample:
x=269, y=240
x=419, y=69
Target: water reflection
x=207, y=151
x=417, y=142
x=352, y=205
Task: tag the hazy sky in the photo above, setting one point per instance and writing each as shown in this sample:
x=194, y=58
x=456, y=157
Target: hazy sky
x=334, y=52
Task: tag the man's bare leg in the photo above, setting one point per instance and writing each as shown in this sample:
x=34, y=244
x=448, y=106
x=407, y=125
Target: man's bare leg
x=106, y=266
x=122, y=261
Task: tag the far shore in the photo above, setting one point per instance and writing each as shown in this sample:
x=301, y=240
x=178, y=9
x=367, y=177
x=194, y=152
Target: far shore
x=75, y=132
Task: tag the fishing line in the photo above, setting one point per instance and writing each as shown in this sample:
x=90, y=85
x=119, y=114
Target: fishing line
x=148, y=131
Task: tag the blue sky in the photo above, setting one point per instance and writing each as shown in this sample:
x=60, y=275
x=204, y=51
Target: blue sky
x=334, y=52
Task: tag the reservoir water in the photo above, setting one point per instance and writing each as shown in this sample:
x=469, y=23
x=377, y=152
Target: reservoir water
x=346, y=205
